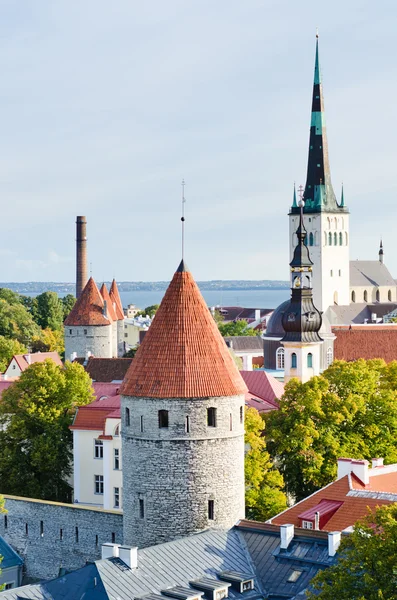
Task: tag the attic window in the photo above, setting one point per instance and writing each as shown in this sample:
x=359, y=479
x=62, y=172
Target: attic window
x=307, y=524
x=247, y=585
x=294, y=576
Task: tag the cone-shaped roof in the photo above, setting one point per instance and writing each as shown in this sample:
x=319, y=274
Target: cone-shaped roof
x=183, y=355
x=115, y=298
x=109, y=304
x=88, y=309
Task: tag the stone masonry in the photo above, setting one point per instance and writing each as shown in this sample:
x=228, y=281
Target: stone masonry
x=96, y=339
x=170, y=474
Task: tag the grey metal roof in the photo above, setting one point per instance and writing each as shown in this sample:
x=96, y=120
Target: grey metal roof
x=9, y=557
x=357, y=312
x=245, y=343
x=274, y=327
x=370, y=273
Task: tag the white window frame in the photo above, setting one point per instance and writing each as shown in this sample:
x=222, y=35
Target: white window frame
x=98, y=485
x=116, y=459
x=98, y=449
x=280, y=359
x=307, y=524
x=116, y=497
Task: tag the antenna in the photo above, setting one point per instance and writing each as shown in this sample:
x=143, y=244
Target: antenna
x=183, y=218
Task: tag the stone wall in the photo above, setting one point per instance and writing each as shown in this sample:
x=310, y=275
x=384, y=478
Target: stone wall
x=97, y=339
x=170, y=474
x=50, y=535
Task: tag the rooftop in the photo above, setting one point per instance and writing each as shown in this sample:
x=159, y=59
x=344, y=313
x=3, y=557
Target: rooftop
x=106, y=369
x=366, y=341
x=25, y=360
x=88, y=309
x=370, y=273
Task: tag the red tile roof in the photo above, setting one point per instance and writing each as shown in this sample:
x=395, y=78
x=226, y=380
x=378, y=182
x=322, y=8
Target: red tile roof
x=365, y=341
x=264, y=386
x=24, y=360
x=106, y=369
x=183, y=355
x=109, y=304
x=88, y=309
x=107, y=405
x=115, y=297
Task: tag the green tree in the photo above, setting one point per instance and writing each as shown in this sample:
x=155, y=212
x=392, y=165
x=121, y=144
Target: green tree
x=148, y=311
x=35, y=440
x=367, y=565
x=130, y=353
x=49, y=341
x=351, y=410
x=8, y=348
x=16, y=322
x=235, y=328
x=68, y=302
x=263, y=483
x=50, y=311
x=10, y=296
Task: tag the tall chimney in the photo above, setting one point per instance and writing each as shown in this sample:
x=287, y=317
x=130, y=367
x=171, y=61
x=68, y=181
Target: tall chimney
x=81, y=255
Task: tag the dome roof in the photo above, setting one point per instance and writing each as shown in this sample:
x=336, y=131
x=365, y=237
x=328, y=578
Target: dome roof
x=274, y=327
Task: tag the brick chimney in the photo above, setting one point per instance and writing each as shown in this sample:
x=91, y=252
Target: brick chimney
x=81, y=255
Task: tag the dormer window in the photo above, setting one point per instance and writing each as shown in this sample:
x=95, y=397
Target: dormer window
x=294, y=576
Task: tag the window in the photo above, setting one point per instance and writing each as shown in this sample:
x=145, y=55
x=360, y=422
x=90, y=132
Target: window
x=340, y=272
x=331, y=273
x=280, y=359
x=61, y=534
x=96, y=541
x=211, y=417
x=126, y=335
x=98, y=484
x=70, y=331
x=389, y=295
x=9, y=586
x=293, y=361
x=335, y=297
x=141, y=423
x=377, y=295
x=241, y=414
x=116, y=459
x=26, y=529
x=14, y=366
x=311, y=239
x=85, y=332
x=330, y=357
x=340, y=239
x=231, y=422
x=220, y=594
x=365, y=296
x=346, y=238
x=247, y=585
x=187, y=425
x=127, y=417
x=76, y=533
x=98, y=449
x=330, y=239
x=335, y=239
x=325, y=238
x=5, y=522
x=210, y=510
x=294, y=576
x=141, y=508
x=117, y=431
x=310, y=360
x=307, y=524
x=116, y=495
x=41, y=528
x=113, y=537
x=353, y=296
x=163, y=418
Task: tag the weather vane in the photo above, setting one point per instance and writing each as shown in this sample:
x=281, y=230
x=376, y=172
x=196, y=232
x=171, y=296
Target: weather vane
x=183, y=218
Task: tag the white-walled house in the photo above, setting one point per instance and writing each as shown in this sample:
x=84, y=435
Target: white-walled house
x=97, y=450
x=20, y=362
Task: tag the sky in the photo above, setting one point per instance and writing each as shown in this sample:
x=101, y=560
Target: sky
x=106, y=106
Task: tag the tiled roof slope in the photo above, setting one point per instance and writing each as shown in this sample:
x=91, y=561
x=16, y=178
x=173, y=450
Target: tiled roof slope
x=245, y=343
x=24, y=360
x=88, y=309
x=107, y=404
x=106, y=369
x=115, y=297
x=183, y=354
x=109, y=304
x=264, y=385
x=366, y=341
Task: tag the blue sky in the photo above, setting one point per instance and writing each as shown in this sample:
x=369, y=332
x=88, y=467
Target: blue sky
x=105, y=107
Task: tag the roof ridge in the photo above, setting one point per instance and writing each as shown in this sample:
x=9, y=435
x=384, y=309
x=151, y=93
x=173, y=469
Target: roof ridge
x=88, y=309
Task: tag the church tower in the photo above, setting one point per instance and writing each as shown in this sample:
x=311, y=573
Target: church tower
x=326, y=220
x=182, y=404
x=301, y=320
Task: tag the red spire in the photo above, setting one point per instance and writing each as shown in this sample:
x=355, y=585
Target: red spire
x=88, y=309
x=109, y=304
x=183, y=355
x=115, y=298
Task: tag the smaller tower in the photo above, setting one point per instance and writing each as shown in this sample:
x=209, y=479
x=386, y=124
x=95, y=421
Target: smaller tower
x=118, y=307
x=381, y=252
x=301, y=320
x=81, y=255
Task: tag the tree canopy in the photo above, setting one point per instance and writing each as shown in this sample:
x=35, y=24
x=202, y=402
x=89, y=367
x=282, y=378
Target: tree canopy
x=49, y=311
x=367, y=565
x=149, y=311
x=35, y=440
x=351, y=410
x=264, y=497
x=8, y=348
x=235, y=328
x=16, y=322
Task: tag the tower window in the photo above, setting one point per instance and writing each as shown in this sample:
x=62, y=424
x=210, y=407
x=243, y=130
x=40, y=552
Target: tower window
x=141, y=423
x=70, y=331
x=77, y=535
x=310, y=360
x=340, y=272
x=280, y=359
x=377, y=295
x=331, y=273
x=311, y=239
x=61, y=535
x=231, y=422
x=41, y=528
x=330, y=239
x=5, y=522
x=187, y=424
x=85, y=332
x=353, y=296
x=127, y=417
x=163, y=418
x=389, y=295
x=211, y=417
x=210, y=510
x=340, y=239
x=241, y=414
x=141, y=508
x=335, y=239
x=365, y=296
x=293, y=360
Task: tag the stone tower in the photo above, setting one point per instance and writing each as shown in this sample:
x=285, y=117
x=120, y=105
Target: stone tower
x=301, y=320
x=118, y=307
x=81, y=255
x=182, y=424
x=326, y=220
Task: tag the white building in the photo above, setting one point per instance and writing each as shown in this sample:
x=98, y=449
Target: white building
x=133, y=328
x=20, y=362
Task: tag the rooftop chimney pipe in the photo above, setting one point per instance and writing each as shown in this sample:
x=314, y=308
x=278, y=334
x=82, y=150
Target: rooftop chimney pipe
x=81, y=255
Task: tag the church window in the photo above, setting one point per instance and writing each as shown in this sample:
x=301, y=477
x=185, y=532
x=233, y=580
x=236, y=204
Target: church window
x=310, y=360
x=163, y=418
x=98, y=449
x=293, y=360
x=280, y=359
x=335, y=239
x=336, y=223
x=329, y=223
x=340, y=239
x=241, y=414
x=211, y=417
x=330, y=239
x=365, y=295
x=330, y=357
x=127, y=417
x=353, y=296
x=311, y=239
x=389, y=295
x=211, y=510
x=377, y=295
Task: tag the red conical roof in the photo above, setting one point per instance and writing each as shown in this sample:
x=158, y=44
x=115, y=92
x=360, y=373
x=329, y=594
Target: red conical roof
x=109, y=304
x=183, y=355
x=115, y=297
x=88, y=309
